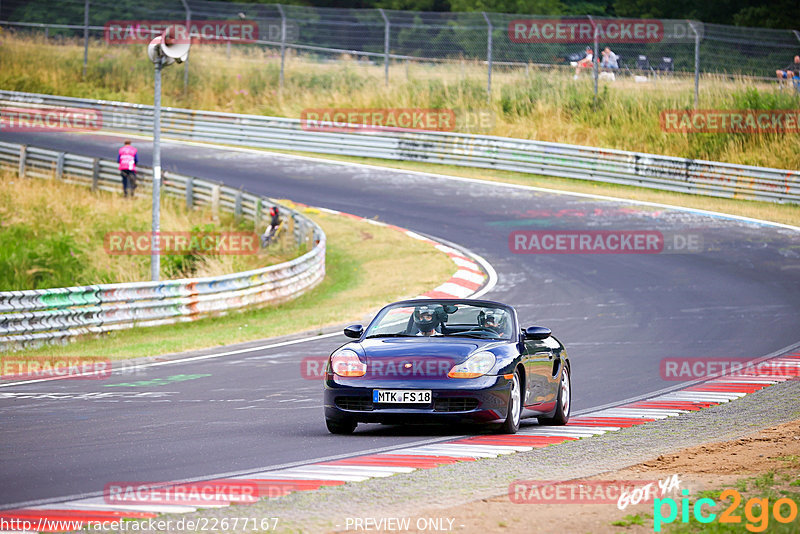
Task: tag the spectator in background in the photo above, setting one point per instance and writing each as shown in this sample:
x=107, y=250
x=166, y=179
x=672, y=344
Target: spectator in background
x=586, y=62
x=609, y=60
x=127, y=159
x=792, y=70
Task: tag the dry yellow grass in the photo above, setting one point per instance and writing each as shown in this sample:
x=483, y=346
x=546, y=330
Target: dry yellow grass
x=546, y=105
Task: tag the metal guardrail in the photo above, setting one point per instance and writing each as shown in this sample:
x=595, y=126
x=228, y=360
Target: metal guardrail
x=50, y=315
x=490, y=152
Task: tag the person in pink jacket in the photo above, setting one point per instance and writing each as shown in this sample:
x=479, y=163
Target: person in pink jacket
x=127, y=160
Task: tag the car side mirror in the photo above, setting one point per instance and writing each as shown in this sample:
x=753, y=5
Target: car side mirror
x=354, y=331
x=537, y=332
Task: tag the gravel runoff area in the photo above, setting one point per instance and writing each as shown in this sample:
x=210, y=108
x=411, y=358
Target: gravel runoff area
x=450, y=485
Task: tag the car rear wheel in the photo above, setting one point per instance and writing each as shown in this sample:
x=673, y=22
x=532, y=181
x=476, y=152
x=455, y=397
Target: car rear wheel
x=340, y=426
x=564, y=404
x=511, y=424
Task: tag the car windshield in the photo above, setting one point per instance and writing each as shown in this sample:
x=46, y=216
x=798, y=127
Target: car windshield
x=443, y=318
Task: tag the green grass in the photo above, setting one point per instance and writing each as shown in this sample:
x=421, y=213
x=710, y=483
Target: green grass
x=52, y=234
x=359, y=279
x=628, y=520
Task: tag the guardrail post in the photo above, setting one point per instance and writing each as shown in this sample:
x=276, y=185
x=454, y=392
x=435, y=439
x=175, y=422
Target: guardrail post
x=796, y=34
x=488, y=57
x=283, y=42
x=60, y=166
x=257, y=214
x=215, y=199
x=85, y=36
x=23, y=155
x=237, y=207
x=95, y=173
x=385, y=47
x=697, y=63
x=190, y=193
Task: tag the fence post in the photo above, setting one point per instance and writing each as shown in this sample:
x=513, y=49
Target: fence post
x=283, y=41
x=385, y=47
x=696, y=63
x=488, y=57
x=85, y=35
x=60, y=166
x=23, y=155
x=257, y=214
x=188, y=28
x=796, y=34
x=95, y=173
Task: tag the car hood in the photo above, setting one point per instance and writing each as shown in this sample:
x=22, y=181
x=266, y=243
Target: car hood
x=420, y=357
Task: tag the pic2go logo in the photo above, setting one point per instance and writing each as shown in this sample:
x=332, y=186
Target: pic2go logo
x=756, y=511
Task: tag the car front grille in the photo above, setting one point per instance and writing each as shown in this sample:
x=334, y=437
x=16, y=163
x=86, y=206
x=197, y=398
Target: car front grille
x=455, y=404
x=356, y=404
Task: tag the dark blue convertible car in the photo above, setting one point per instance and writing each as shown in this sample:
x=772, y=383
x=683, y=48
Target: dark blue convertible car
x=447, y=361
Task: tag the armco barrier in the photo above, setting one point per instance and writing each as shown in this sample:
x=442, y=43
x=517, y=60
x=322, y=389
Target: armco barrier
x=48, y=315
x=550, y=159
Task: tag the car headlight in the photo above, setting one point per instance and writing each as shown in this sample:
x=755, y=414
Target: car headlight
x=476, y=365
x=346, y=363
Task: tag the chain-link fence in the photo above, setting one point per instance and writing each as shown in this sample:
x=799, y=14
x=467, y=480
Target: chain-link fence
x=640, y=47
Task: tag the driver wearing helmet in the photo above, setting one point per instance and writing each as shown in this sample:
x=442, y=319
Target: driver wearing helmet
x=495, y=320
x=427, y=319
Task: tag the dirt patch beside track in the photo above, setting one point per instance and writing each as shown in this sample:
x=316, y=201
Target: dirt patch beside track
x=772, y=453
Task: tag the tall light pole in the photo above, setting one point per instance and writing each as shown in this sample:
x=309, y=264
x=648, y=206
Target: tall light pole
x=163, y=50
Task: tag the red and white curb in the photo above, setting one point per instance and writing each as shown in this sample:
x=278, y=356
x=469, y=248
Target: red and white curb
x=469, y=277
x=311, y=477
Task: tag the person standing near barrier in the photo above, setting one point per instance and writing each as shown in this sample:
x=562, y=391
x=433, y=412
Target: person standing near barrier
x=127, y=159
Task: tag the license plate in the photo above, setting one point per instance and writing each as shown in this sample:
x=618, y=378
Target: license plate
x=401, y=396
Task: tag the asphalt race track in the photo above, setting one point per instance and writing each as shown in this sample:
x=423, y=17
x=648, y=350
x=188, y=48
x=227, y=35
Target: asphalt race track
x=736, y=295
